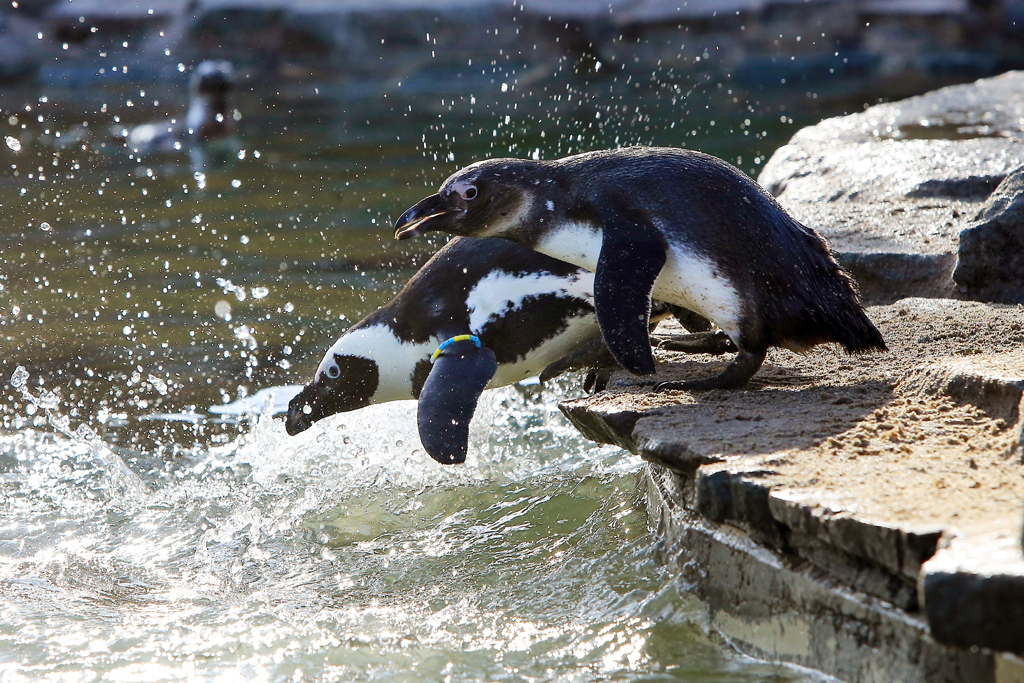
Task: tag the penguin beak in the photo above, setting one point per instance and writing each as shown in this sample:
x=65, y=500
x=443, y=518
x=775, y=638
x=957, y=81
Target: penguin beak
x=301, y=411
x=416, y=220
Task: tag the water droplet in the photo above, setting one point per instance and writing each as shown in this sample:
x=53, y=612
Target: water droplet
x=49, y=400
x=20, y=377
x=259, y=292
x=14, y=143
x=236, y=183
x=222, y=309
x=45, y=227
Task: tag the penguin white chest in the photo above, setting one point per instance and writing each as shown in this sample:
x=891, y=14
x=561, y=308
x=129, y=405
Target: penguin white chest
x=694, y=282
x=576, y=243
x=687, y=279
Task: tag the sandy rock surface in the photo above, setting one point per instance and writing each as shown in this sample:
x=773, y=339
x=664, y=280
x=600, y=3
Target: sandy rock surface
x=893, y=437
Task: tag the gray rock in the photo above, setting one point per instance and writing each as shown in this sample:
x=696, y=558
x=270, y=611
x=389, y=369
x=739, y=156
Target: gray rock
x=893, y=187
x=856, y=466
x=973, y=591
x=990, y=260
x=771, y=605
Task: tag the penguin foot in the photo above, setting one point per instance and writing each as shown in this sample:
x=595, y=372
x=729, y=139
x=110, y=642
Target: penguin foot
x=736, y=374
x=597, y=380
x=593, y=354
x=714, y=343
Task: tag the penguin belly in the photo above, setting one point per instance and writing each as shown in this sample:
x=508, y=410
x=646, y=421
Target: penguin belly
x=695, y=283
x=563, y=305
x=554, y=349
x=686, y=280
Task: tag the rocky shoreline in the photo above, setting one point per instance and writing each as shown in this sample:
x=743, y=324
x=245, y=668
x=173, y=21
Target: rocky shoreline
x=861, y=515
x=831, y=48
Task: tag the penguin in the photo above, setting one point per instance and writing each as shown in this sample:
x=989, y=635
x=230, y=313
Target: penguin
x=682, y=226
x=481, y=313
x=209, y=117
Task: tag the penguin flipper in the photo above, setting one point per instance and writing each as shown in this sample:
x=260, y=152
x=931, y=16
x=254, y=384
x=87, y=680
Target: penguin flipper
x=632, y=255
x=714, y=343
x=448, y=400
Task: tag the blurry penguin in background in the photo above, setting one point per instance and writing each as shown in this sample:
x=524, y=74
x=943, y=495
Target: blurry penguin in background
x=209, y=125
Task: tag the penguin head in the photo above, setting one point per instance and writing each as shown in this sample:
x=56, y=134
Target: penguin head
x=342, y=383
x=487, y=199
x=212, y=77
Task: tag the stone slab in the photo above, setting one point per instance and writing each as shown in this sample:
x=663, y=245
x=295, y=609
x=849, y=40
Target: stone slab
x=861, y=466
x=993, y=382
x=773, y=605
x=990, y=259
x=894, y=187
x=973, y=589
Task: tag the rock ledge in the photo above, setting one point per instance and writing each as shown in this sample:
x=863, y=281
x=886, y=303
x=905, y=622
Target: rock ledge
x=895, y=476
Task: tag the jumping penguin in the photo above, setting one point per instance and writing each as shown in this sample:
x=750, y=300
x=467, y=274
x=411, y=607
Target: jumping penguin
x=479, y=314
x=681, y=226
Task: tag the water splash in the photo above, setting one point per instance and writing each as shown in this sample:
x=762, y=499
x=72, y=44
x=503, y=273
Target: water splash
x=119, y=482
x=346, y=554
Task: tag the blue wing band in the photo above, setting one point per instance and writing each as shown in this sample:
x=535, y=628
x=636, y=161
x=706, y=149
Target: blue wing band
x=448, y=342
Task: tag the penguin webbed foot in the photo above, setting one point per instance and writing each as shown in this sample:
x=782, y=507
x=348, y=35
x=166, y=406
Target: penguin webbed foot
x=593, y=355
x=690, y=320
x=735, y=375
x=596, y=379
x=714, y=343
x=596, y=358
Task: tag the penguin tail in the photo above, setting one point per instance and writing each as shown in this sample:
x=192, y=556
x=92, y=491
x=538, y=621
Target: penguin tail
x=858, y=335
x=825, y=306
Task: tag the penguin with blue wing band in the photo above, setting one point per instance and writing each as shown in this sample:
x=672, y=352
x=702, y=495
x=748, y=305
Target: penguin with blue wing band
x=479, y=314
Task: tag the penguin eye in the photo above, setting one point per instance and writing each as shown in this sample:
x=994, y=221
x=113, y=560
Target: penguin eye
x=468, y=193
x=333, y=372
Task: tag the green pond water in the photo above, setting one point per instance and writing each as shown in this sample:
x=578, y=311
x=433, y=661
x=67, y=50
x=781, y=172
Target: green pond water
x=145, y=538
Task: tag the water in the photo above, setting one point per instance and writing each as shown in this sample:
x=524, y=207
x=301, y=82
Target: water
x=344, y=554
x=145, y=536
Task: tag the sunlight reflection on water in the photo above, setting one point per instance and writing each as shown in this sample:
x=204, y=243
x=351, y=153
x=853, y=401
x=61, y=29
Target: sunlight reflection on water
x=346, y=554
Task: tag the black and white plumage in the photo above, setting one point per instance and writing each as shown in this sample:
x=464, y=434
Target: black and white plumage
x=681, y=226
x=209, y=118
x=528, y=311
